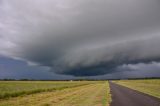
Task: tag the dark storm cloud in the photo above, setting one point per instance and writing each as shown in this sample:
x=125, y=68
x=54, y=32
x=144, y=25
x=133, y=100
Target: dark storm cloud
x=82, y=38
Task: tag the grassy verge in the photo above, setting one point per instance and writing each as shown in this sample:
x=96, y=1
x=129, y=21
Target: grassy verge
x=107, y=96
x=149, y=86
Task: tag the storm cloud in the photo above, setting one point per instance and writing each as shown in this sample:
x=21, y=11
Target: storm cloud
x=82, y=37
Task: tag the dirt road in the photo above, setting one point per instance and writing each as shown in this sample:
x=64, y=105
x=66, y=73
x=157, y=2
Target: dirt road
x=123, y=96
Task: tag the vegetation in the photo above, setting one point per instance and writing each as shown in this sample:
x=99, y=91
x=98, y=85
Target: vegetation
x=148, y=86
x=17, y=88
x=95, y=94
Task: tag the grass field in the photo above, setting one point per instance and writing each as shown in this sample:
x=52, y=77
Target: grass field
x=83, y=93
x=17, y=88
x=148, y=86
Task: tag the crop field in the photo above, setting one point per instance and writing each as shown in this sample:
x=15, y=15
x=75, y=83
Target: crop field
x=52, y=93
x=148, y=86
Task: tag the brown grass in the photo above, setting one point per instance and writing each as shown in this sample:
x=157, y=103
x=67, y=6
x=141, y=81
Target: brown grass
x=87, y=95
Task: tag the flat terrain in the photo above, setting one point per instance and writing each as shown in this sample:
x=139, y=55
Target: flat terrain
x=123, y=96
x=149, y=86
x=80, y=93
x=17, y=88
x=90, y=94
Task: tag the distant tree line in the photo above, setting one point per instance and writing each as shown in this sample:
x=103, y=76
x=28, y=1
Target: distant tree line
x=82, y=79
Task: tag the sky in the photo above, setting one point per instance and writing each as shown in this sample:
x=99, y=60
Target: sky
x=68, y=39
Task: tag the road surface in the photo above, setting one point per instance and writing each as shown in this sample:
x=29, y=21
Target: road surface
x=123, y=96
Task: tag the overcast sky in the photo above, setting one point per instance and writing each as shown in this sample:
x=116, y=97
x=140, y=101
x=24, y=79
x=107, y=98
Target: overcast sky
x=50, y=39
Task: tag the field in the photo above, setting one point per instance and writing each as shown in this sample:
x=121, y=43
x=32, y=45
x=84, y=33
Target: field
x=151, y=87
x=17, y=88
x=78, y=93
x=51, y=93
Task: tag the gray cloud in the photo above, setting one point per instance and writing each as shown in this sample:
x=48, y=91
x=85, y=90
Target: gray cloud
x=82, y=38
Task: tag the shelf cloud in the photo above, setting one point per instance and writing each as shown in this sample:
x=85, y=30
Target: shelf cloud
x=82, y=37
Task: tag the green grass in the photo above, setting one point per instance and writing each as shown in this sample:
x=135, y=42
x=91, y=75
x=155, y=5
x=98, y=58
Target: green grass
x=106, y=95
x=92, y=94
x=17, y=88
x=148, y=86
